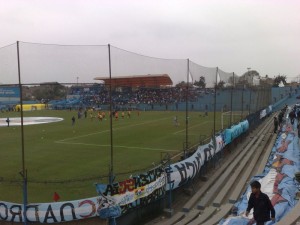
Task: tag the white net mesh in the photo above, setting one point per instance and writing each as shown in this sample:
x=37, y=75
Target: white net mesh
x=125, y=63
x=64, y=64
x=9, y=65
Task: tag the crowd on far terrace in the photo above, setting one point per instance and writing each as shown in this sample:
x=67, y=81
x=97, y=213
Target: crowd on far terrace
x=140, y=96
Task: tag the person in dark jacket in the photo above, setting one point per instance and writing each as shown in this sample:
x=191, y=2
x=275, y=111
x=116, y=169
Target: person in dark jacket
x=261, y=204
x=275, y=124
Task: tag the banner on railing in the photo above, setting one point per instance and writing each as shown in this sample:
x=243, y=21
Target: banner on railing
x=54, y=212
x=133, y=192
x=185, y=170
x=263, y=113
x=236, y=130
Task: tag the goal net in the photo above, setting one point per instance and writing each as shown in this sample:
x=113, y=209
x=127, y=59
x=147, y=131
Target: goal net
x=230, y=117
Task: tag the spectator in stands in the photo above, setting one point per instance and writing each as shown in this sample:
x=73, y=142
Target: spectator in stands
x=292, y=116
x=280, y=117
x=298, y=114
x=275, y=124
x=298, y=128
x=261, y=204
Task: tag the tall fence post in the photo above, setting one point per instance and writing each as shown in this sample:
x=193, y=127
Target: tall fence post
x=187, y=111
x=231, y=99
x=23, y=173
x=215, y=100
x=112, y=221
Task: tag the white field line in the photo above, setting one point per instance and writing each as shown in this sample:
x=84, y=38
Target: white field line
x=104, y=131
x=120, y=146
x=193, y=126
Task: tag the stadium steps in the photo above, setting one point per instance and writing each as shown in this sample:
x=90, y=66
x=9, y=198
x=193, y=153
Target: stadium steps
x=242, y=181
x=205, y=215
x=221, y=213
x=242, y=172
x=203, y=211
x=174, y=219
x=267, y=155
x=188, y=207
x=193, y=200
x=181, y=218
x=224, y=210
x=225, y=176
x=229, y=178
x=191, y=216
x=264, y=138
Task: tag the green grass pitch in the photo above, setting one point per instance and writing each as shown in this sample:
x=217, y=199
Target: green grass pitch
x=70, y=159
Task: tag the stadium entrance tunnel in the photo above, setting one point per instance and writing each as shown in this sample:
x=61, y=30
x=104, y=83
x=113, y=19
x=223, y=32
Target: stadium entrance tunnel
x=16, y=121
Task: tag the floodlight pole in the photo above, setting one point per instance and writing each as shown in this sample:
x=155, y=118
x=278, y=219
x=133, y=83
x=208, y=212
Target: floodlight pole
x=23, y=173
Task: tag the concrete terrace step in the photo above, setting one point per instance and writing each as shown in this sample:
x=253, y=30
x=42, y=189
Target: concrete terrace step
x=177, y=217
x=223, y=212
x=193, y=200
x=250, y=157
x=197, y=216
x=267, y=155
x=222, y=179
x=243, y=180
x=189, y=217
x=205, y=215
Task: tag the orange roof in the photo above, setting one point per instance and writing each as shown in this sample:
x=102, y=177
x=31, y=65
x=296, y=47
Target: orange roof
x=138, y=80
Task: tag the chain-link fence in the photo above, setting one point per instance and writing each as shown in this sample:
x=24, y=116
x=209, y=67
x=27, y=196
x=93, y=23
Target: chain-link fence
x=122, y=112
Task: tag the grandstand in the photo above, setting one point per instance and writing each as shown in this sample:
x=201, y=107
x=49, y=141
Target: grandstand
x=153, y=160
x=150, y=80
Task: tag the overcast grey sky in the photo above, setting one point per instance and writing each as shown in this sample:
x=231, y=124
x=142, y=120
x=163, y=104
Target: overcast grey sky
x=230, y=34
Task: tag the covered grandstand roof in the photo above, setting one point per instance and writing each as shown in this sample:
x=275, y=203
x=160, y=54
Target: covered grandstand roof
x=138, y=80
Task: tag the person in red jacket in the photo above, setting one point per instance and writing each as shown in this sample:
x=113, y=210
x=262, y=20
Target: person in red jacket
x=261, y=204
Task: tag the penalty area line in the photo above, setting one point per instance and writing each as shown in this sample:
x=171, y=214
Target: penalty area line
x=118, y=146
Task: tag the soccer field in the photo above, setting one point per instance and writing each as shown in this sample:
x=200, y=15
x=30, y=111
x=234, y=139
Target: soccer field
x=69, y=159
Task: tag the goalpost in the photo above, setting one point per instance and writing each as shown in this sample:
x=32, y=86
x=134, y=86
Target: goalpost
x=233, y=115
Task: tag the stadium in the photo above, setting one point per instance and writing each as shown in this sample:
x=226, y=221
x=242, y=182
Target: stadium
x=113, y=134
